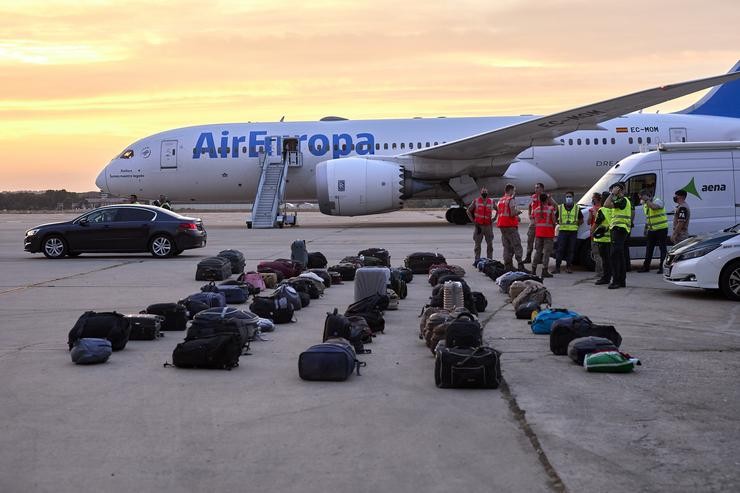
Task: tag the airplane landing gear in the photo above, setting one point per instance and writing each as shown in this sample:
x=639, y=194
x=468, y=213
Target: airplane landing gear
x=457, y=215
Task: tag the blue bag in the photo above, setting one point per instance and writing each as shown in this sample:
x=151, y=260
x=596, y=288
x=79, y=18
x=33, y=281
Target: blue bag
x=330, y=361
x=214, y=299
x=542, y=323
x=90, y=351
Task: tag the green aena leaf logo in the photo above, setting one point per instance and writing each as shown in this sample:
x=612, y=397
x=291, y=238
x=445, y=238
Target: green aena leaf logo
x=691, y=188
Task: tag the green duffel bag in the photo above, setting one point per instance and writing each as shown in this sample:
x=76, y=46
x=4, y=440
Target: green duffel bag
x=610, y=362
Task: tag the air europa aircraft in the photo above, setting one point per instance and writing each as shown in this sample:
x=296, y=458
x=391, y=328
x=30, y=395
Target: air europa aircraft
x=372, y=166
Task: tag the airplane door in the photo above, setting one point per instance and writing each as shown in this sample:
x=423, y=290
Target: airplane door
x=168, y=157
x=677, y=135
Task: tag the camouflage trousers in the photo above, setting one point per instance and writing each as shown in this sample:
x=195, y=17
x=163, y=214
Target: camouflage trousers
x=483, y=231
x=512, y=245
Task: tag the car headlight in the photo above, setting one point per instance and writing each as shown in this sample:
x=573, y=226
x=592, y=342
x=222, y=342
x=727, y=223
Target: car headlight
x=32, y=232
x=697, y=252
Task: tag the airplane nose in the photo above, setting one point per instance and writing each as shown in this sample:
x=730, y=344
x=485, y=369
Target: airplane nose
x=102, y=180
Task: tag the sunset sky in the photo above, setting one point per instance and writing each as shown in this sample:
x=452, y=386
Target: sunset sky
x=81, y=79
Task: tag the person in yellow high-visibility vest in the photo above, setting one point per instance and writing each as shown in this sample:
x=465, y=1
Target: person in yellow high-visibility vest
x=656, y=229
x=569, y=218
x=620, y=226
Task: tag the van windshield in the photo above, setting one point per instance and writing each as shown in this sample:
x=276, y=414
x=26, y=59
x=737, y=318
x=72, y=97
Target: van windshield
x=600, y=186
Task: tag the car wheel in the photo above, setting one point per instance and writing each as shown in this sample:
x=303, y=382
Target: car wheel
x=161, y=246
x=54, y=247
x=729, y=280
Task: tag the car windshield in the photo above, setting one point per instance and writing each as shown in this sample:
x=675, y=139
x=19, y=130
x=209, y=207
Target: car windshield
x=600, y=186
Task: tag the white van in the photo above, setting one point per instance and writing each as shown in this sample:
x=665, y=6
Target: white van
x=708, y=171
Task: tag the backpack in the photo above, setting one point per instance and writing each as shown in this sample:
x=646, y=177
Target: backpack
x=231, y=293
x=610, y=362
x=435, y=274
x=346, y=270
x=435, y=329
x=464, y=331
x=542, y=323
x=494, y=269
x=315, y=289
x=323, y=274
x=316, y=260
x=398, y=286
x=525, y=310
x=404, y=273
x=219, y=351
x=505, y=280
x=330, y=361
x=392, y=299
x=283, y=309
x=336, y=325
x=144, y=327
x=175, y=315
x=369, y=309
x=379, y=253
x=298, y=252
x=201, y=328
x=359, y=328
x=213, y=269
x=101, y=325
x=336, y=277
x=533, y=292
x=90, y=351
x=249, y=320
x=305, y=299
x=480, y=301
x=235, y=258
x=457, y=367
x=579, y=348
x=288, y=292
x=565, y=330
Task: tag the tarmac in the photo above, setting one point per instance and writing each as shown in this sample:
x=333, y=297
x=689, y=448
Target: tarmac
x=134, y=425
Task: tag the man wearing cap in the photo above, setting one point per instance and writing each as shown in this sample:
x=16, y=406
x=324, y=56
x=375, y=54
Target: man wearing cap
x=680, y=218
x=480, y=212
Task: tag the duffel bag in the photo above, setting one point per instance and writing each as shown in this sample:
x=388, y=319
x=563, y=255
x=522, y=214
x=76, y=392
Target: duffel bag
x=213, y=269
x=579, y=348
x=525, y=310
x=101, y=325
x=374, y=302
x=293, y=266
x=235, y=258
x=566, y=329
x=379, y=253
x=480, y=301
x=542, y=323
x=213, y=299
x=145, y=327
x=316, y=260
x=346, y=270
x=336, y=325
x=305, y=299
x=232, y=293
x=248, y=288
x=478, y=368
x=175, y=315
x=533, y=292
x=285, y=270
x=257, y=280
x=419, y=262
x=218, y=352
x=610, y=362
x=330, y=361
x=91, y=351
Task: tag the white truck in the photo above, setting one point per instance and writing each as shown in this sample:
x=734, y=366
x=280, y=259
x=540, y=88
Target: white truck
x=708, y=171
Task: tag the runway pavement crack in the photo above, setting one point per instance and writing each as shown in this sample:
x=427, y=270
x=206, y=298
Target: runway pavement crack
x=79, y=274
x=555, y=482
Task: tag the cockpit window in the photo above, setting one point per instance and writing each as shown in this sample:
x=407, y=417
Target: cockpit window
x=127, y=154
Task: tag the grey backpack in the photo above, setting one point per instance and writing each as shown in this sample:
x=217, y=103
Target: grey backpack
x=298, y=252
x=90, y=351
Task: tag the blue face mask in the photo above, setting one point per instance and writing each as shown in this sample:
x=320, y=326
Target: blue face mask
x=568, y=200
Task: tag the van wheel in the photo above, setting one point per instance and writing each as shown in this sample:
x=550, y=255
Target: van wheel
x=54, y=247
x=729, y=280
x=161, y=246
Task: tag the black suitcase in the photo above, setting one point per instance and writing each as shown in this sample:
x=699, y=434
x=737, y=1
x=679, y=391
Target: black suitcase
x=464, y=331
x=235, y=258
x=213, y=269
x=478, y=368
x=419, y=262
x=101, y=325
x=145, y=327
x=219, y=352
x=175, y=315
x=379, y=253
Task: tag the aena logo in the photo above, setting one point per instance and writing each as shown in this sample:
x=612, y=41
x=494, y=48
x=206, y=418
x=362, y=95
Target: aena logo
x=691, y=188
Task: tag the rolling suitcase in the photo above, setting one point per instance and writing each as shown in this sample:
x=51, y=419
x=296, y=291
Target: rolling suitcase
x=213, y=269
x=175, y=315
x=370, y=281
x=145, y=327
x=235, y=258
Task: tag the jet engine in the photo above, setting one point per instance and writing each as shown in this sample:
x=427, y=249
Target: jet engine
x=357, y=186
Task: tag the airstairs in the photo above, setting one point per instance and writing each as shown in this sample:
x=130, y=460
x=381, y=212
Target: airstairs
x=271, y=188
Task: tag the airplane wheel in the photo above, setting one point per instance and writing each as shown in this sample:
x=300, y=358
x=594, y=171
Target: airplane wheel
x=448, y=215
x=459, y=216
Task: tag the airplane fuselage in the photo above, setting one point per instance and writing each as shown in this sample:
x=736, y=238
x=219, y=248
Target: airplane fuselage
x=221, y=163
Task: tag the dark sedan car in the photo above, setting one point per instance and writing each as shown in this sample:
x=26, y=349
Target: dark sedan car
x=117, y=229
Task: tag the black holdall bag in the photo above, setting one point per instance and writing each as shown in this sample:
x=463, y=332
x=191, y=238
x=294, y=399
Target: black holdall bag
x=101, y=325
x=379, y=253
x=464, y=331
x=218, y=352
x=346, y=270
x=480, y=301
x=336, y=325
x=471, y=368
x=316, y=260
x=175, y=315
x=262, y=306
x=419, y=262
x=213, y=269
x=565, y=330
x=235, y=258
x=145, y=327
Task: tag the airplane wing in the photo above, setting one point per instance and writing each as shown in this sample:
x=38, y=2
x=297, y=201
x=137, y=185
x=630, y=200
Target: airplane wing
x=511, y=140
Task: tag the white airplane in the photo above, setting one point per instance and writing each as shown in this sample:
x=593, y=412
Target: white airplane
x=371, y=166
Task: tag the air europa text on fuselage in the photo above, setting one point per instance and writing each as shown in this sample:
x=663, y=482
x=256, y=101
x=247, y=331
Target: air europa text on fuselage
x=231, y=146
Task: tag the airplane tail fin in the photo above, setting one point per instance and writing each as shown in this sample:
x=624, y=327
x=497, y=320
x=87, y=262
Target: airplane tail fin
x=722, y=100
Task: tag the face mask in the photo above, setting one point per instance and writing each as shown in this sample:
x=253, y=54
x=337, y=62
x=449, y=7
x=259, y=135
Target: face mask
x=568, y=200
x=484, y=195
